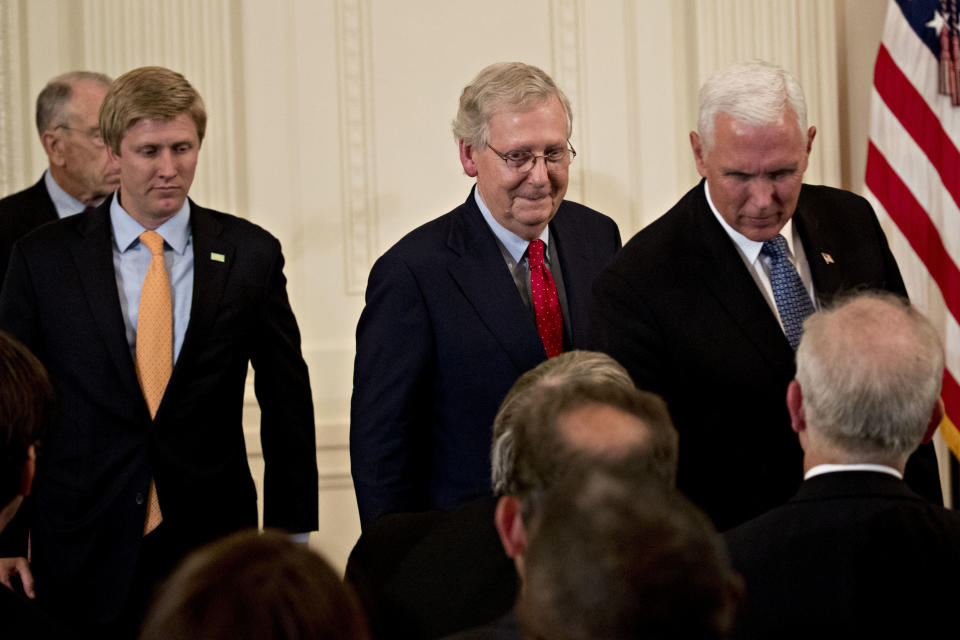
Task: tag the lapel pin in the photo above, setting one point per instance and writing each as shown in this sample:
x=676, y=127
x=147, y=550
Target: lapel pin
x=826, y=257
x=219, y=257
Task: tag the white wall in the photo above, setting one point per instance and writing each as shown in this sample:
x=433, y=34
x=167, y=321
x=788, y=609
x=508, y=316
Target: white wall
x=329, y=123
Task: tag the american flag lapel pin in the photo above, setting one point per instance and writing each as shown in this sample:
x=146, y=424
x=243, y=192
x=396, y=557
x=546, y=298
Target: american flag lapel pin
x=827, y=257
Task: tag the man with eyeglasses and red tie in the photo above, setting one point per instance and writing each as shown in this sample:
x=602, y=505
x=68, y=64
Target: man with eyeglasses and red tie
x=80, y=174
x=460, y=307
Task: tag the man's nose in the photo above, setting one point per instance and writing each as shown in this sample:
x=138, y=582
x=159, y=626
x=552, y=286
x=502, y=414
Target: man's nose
x=761, y=192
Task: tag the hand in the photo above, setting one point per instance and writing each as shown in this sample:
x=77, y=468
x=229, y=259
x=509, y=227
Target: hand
x=10, y=567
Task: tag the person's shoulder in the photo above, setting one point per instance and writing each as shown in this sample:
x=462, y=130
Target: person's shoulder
x=233, y=228
x=817, y=197
x=665, y=240
x=28, y=196
x=429, y=242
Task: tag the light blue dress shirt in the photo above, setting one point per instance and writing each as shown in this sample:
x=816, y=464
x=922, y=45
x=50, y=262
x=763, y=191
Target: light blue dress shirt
x=63, y=202
x=130, y=262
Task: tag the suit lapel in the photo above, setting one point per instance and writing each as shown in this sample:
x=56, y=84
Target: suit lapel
x=93, y=257
x=825, y=272
x=212, y=260
x=480, y=272
x=575, y=265
x=723, y=272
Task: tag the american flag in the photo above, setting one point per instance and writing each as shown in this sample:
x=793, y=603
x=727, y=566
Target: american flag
x=913, y=168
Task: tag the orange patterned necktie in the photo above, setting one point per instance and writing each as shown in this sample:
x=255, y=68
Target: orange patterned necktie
x=546, y=304
x=154, y=345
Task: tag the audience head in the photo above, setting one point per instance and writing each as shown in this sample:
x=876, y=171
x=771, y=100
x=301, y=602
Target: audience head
x=589, y=367
x=513, y=129
x=612, y=558
x=577, y=408
x=149, y=93
x=752, y=146
x=867, y=388
x=26, y=403
x=254, y=586
x=67, y=122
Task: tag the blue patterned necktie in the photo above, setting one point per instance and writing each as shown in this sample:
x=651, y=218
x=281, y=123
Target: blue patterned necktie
x=791, y=297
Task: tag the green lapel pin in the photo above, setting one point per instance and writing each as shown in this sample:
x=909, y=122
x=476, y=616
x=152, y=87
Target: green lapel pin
x=217, y=257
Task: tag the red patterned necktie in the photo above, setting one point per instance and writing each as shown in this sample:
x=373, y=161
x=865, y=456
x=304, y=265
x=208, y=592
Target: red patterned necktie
x=546, y=304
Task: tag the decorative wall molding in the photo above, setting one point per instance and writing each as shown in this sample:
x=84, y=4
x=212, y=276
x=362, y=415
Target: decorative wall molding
x=357, y=140
x=201, y=40
x=567, y=52
x=800, y=35
x=13, y=174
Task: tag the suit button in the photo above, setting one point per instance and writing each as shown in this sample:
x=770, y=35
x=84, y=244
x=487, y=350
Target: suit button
x=140, y=498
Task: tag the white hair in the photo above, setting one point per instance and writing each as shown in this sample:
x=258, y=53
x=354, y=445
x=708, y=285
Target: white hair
x=755, y=93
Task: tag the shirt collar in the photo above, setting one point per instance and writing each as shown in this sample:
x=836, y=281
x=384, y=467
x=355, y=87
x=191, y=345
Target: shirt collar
x=175, y=231
x=821, y=469
x=65, y=204
x=514, y=244
x=749, y=248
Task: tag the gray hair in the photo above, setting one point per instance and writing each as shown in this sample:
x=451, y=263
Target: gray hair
x=870, y=370
x=499, y=87
x=586, y=366
x=54, y=99
x=755, y=93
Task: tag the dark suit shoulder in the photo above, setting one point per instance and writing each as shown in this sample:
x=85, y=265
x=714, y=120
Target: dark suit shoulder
x=29, y=206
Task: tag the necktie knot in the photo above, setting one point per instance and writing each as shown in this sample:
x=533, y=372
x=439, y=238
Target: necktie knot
x=776, y=247
x=152, y=241
x=535, y=254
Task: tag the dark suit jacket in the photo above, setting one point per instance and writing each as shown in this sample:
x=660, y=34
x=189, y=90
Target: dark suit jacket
x=20, y=214
x=60, y=298
x=428, y=574
x=442, y=338
x=503, y=628
x=678, y=308
x=852, y=555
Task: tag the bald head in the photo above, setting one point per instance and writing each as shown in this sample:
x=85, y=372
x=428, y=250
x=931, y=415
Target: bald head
x=869, y=371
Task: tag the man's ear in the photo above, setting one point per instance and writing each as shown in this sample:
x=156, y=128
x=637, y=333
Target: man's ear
x=698, y=154
x=936, y=417
x=798, y=421
x=466, y=159
x=28, y=471
x=509, y=523
x=811, y=134
x=52, y=141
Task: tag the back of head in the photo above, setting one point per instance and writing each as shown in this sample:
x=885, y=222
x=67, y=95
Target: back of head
x=610, y=558
x=870, y=369
x=54, y=100
x=257, y=587
x=583, y=366
x=148, y=93
x=583, y=419
x=755, y=93
x=26, y=402
x=503, y=86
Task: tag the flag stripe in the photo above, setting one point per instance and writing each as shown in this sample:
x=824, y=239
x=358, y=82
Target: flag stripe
x=912, y=220
x=919, y=120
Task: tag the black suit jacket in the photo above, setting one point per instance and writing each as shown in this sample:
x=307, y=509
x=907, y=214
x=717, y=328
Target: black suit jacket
x=20, y=214
x=429, y=574
x=60, y=298
x=678, y=308
x=442, y=338
x=852, y=554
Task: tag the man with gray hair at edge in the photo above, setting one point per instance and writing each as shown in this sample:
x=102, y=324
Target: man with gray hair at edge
x=856, y=553
x=705, y=305
x=80, y=172
x=463, y=305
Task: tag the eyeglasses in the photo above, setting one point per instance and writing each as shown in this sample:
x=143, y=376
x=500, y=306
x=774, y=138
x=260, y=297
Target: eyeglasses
x=92, y=134
x=525, y=161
